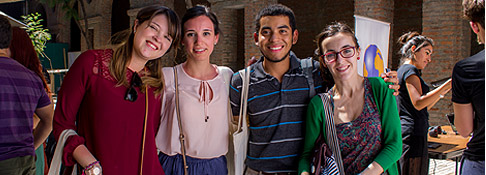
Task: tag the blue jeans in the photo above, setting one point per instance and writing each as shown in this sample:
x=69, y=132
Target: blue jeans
x=471, y=167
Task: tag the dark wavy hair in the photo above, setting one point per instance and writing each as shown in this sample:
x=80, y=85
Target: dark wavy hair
x=200, y=10
x=276, y=10
x=22, y=50
x=474, y=11
x=410, y=39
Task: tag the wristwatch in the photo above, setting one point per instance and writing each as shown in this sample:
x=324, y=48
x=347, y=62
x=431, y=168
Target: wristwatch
x=95, y=170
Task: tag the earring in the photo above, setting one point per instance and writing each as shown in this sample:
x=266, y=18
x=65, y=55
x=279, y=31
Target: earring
x=215, y=43
x=358, y=58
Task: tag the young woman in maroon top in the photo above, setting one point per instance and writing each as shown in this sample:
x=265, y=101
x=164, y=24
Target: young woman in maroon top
x=106, y=95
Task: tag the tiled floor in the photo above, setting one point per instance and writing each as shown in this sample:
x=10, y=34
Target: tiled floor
x=442, y=167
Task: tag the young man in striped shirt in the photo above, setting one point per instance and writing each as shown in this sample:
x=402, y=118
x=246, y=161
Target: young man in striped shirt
x=278, y=95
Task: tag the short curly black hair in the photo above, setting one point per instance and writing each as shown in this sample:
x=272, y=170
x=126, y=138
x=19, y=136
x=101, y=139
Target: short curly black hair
x=276, y=10
x=5, y=32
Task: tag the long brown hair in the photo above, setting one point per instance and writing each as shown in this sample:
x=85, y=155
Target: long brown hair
x=122, y=54
x=22, y=50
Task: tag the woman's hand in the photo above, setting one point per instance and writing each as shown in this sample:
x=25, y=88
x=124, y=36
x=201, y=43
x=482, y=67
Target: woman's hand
x=391, y=77
x=372, y=169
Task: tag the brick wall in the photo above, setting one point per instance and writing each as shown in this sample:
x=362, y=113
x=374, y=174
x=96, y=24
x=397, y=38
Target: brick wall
x=380, y=10
x=407, y=16
x=442, y=22
x=252, y=7
x=225, y=51
x=438, y=19
x=312, y=16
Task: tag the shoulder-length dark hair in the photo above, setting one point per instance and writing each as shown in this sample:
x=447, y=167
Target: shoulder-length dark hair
x=122, y=54
x=22, y=50
x=329, y=31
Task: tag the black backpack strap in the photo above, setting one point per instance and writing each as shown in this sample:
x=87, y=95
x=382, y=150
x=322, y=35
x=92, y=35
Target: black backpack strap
x=307, y=67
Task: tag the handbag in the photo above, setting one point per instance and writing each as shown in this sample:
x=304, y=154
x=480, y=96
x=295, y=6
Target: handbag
x=239, y=135
x=332, y=140
x=181, y=134
x=323, y=163
x=55, y=167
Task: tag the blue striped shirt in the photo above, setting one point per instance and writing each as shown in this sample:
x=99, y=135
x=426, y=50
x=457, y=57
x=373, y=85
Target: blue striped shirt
x=276, y=115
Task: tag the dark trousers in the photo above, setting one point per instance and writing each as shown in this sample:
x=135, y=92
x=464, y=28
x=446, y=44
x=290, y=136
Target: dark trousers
x=18, y=166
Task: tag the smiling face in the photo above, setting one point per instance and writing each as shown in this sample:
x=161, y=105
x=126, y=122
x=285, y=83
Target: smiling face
x=151, y=39
x=341, y=68
x=275, y=37
x=423, y=57
x=199, y=38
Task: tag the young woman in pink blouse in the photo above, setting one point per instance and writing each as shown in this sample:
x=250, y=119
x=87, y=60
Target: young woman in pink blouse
x=203, y=98
x=111, y=98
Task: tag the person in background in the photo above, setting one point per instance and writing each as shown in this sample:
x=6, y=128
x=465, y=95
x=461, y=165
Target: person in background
x=22, y=50
x=278, y=94
x=203, y=98
x=112, y=99
x=414, y=99
x=368, y=133
x=23, y=94
x=468, y=94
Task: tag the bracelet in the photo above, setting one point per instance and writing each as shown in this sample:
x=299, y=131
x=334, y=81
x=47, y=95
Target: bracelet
x=91, y=165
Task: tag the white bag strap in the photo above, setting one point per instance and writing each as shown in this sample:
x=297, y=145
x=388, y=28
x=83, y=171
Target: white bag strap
x=331, y=134
x=55, y=168
x=245, y=77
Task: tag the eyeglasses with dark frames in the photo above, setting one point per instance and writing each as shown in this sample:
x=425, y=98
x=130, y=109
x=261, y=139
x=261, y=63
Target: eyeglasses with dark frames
x=132, y=94
x=346, y=52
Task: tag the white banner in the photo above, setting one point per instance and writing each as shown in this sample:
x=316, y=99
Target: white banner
x=373, y=38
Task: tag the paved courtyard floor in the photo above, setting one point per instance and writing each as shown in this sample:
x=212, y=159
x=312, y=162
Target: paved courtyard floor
x=442, y=167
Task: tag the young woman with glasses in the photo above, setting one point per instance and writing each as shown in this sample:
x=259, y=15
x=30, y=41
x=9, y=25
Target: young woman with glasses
x=112, y=99
x=203, y=97
x=365, y=111
x=415, y=99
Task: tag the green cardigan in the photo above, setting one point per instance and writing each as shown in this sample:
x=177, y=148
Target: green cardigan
x=390, y=123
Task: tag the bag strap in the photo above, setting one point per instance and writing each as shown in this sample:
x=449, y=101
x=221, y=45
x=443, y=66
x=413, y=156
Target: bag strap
x=181, y=134
x=331, y=133
x=245, y=77
x=144, y=128
x=55, y=168
x=307, y=67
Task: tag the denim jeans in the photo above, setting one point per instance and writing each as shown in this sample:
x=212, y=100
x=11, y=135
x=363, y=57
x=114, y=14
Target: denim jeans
x=470, y=167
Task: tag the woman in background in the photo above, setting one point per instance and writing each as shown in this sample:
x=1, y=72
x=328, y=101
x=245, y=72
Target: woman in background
x=415, y=99
x=22, y=50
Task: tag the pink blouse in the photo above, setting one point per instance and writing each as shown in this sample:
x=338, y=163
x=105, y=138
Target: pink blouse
x=204, y=120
